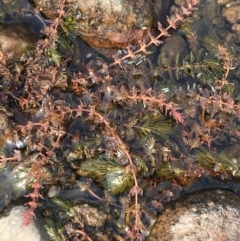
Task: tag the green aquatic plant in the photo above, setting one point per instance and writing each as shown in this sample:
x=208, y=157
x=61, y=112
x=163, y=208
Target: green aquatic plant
x=211, y=43
x=69, y=25
x=218, y=163
x=206, y=158
x=118, y=182
x=56, y=56
x=86, y=148
x=98, y=167
x=151, y=125
x=54, y=229
x=65, y=205
x=204, y=66
x=205, y=63
x=64, y=46
x=169, y=171
x=112, y=176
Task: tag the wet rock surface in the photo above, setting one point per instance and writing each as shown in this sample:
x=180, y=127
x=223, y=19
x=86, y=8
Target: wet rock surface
x=110, y=24
x=173, y=47
x=10, y=188
x=161, y=9
x=232, y=14
x=203, y=215
x=114, y=23
x=16, y=38
x=106, y=23
x=91, y=216
x=223, y=2
x=11, y=227
x=211, y=10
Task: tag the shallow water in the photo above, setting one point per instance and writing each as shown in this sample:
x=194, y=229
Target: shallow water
x=157, y=78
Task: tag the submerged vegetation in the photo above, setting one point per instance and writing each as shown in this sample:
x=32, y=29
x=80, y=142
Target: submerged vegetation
x=205, y=67
x=221, y=164
x=118, y=124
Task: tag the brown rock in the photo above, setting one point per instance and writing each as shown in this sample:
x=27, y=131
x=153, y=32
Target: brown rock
x=16, y=38
x=223, y=2
x=232, y=14
x=91, y=216
x=106, y=23
x=208, y=215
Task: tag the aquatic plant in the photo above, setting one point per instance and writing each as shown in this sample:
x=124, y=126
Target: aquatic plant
x=204, y=67
x=108, y=129
x=220, y=164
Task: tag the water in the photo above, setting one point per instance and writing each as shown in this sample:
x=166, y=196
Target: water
x=165, y=151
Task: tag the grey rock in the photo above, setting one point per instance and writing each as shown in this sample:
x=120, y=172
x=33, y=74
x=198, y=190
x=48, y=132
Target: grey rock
x=12, y=228
x=210, y=10
x=173, y=47
x=207, y=215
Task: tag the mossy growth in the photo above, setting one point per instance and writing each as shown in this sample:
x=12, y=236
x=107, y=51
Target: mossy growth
x=54, y=229
x=110, y=174
x=204, y=63
x=170, y=171
x=218, y=163
x=177, y=172
x=150, y=125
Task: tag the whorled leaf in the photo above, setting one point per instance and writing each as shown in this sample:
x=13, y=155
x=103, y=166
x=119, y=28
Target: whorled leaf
x=98, y=168
x=118, y=182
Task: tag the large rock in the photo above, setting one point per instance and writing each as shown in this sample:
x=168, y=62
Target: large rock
x=16, y=38
x=116, y=23
x=106, y=23
x=11, y=227
x=208, y=215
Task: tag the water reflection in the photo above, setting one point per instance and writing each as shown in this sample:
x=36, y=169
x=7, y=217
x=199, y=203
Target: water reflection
x=21, y=11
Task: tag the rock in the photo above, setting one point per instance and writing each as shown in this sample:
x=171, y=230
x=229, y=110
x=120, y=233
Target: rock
x=109, y=24
x=172, y=47
x=11, y=227
x=10, y=187
x=91, y=216
x=16, y=38
x=54, y=191
x=211, y=10
x=236, y=29
x=162, y=10
x=223, y=2
x=232, y=14
x=191, y=111
x=106, y=23
x=116, y=24
x=205, y=215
